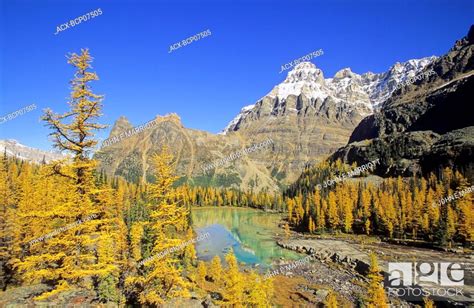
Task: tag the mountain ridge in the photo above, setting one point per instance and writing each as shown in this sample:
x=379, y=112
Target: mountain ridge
x=425, y=125
x=367, y=90
x=13, y=148
x=307, y=116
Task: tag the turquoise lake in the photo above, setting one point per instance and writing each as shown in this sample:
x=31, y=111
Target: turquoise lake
x=248, y=232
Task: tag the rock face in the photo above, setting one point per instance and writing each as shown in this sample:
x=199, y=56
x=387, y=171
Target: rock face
x=354, y=258
x=307, y=117
x=425, y=125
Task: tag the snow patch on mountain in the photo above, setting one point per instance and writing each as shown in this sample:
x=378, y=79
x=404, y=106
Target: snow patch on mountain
x=381, y=86
x=359, y=93
x=236, y=120
x=15, y=149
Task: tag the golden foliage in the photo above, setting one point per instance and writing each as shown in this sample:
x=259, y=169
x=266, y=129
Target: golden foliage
x=66, y=225
x=215, y=269
x=331, y=300
x=376, y=293
x=396, y=208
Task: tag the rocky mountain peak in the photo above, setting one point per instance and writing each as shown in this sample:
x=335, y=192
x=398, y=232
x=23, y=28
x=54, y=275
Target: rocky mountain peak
x=170, y=117
x=470, y=35
x=305, y=72
x=305, y=79
x=411, y=66
x=122, y=124
x=345, y=72
x=305, y=65
x=424, y=125
x=308, y=117
x=465, y=41
x=347, y=92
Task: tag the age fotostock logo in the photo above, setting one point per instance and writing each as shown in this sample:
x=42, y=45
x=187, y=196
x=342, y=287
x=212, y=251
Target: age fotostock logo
x=420, y=279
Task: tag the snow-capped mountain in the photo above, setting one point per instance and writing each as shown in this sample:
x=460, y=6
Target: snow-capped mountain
x=381, y=86
x=348, y=91
x=308, y=118
x=423, y=127
x=242, y=113
x=15, y=149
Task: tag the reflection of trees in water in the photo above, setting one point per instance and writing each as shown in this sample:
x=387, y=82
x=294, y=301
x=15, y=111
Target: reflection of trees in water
x=236, y=234
x=254, y=229
x=235, y=218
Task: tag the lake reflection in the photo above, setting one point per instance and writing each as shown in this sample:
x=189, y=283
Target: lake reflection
x=248, y=232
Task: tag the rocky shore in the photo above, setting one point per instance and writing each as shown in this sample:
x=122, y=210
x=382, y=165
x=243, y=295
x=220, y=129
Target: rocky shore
x=343, y=265
x=331, y=250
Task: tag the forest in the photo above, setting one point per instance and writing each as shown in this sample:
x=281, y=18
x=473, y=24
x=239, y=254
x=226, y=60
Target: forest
x=403, y=208
x=68, y=226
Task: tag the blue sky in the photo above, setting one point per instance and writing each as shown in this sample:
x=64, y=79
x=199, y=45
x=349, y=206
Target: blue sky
x=209, y=81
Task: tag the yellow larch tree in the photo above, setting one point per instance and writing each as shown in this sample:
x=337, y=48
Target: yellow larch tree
x=136, y=236
x=451, y=219
x=163, y=279
x=376, y=293
x=201, y=274
x=215, y=269
x=189, y=251
x=311, y=225
x=347, y=206
x=299, y=209
x=73, y=131
x=321, y=219
x=287, y=231
x=365, y=200
x=112, y=243
x=331, y=300
x=260, y=292
x=428, y=303
x=466, y=219
x=66, y=198
x=7, y=214
x=234, y=283
x=465, y=208
x=333, y=216
x=290, y=203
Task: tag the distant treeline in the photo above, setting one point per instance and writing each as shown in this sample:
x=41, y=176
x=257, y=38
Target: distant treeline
x=396, y=207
